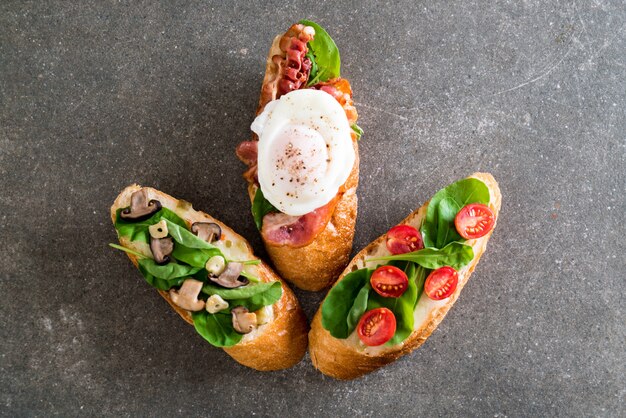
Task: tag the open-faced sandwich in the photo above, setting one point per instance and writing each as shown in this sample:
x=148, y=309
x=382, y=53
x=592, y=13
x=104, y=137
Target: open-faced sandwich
x=210, y=276
x=303, y=158
x=395, y=292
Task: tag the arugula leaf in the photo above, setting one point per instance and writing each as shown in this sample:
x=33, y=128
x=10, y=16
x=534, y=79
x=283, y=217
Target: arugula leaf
x=138, y=231
x=340, y=301
x=455, y=254
x=402, y=307
x=127, y=250
x=357, y=130
x=216, y=328
x=261, y=207
x=326, y=54
x=438, y=228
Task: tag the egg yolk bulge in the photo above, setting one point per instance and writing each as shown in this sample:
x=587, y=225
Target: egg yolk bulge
x=305, y=150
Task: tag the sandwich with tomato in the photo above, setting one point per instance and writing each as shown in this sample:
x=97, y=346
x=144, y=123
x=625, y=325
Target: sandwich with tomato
x=303, y=162
x=211, y=278
x=395, y=292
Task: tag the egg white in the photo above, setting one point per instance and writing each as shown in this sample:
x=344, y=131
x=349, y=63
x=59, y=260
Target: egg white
x=305, y=150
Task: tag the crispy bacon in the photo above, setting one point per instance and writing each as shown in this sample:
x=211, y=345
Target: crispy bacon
x=297, y=231
x=295, y=67
x=340, y=89
x=247, y=152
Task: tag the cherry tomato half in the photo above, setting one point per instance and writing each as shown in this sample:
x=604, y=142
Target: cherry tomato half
x=474, y=221
x=389, y=281
x=377, y=326
x=403, y=239
x=441, y=283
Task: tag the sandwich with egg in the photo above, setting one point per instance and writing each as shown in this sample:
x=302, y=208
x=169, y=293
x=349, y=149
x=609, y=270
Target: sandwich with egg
x=211, y=278
x=395, y=292
x=303, y=163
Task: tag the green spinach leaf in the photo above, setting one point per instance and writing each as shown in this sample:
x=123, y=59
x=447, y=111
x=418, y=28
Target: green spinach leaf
x=340, y=301
x=402, y=307
x=164, y=277
x=259, y=300
x=438, y=227
x=357, y=130
x=455, y=254
x=358, y=307
x=326, y=54
x=138, y=231
x=187, y=238
x=216, y=328
x=261, y=207
x=314, y=68
x=196, y=257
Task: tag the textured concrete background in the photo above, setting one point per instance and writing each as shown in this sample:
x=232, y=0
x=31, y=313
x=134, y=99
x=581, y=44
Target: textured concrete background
x=102, y=94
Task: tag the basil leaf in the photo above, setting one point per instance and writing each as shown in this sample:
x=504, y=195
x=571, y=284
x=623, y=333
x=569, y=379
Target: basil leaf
x=261, y=207
x=357, y=130
x=402, y=307
x=196, y=257
x=166, y=276
x=326, y=54
x=358, y=307
x=216, y=328
x=455, y=254
x=438, y=227
x=340, y=300
x=138, y=231
x=242, y=292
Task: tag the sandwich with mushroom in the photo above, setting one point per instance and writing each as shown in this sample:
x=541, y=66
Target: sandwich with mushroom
x=303, y=163
x=211, y=277
x=395, y=292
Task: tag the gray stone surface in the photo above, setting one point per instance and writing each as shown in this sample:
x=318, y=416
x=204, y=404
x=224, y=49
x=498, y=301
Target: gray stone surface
x=96, y=95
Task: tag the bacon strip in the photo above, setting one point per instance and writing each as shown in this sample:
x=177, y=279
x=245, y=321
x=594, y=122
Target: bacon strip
x=297, y=231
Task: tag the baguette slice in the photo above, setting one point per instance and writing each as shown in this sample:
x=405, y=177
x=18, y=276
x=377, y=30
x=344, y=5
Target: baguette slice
x=314, y=266
x=279, y=344
x=349, y=358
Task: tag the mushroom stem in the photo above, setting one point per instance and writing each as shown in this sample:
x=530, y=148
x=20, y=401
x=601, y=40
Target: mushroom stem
x=243, y=320
x=187, y=296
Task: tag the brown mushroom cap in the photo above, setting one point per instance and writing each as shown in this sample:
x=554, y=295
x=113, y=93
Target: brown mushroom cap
x=140, y=208
x=231, y=277
x=243, y=320
x=207, y=231
x=162, y=249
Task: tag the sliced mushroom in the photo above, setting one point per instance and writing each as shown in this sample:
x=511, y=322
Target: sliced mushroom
x=243, y=320
x=187, y=296
x=215, y=265
x=158, y=230
x=215, y=303
x=162, y=249
x=140, y=208
x=207, y=231
x=231, y=277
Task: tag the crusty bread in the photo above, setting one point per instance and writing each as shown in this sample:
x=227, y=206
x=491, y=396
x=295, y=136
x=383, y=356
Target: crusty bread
x=279, y=344
x=348, y=359
x=314, y=266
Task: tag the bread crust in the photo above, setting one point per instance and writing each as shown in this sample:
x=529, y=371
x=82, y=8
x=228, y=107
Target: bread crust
x=312, y=267
x=282, y=342
x=339, y=359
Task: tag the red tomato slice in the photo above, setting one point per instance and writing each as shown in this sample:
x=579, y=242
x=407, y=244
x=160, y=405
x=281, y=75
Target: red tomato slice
x=389, y=281
x=441, y=283
x=474, y=221
x=377, y=326
x=403, y=239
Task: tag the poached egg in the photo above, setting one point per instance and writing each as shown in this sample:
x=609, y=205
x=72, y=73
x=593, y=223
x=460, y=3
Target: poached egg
x=305, y=150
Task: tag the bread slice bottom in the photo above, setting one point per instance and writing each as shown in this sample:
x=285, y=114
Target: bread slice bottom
x=349, y=359
x=277, y=345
